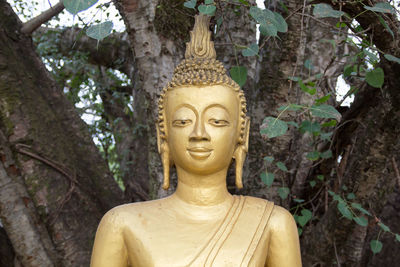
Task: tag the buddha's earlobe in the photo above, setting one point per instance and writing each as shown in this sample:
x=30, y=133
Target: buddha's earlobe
x=163, y=150
x=165, y=163
x=240, y=155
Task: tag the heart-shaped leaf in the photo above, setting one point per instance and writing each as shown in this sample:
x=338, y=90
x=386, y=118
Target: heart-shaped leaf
x=207, y=9
x=381, y=7
x=252, y=50
x=267, y=178
x=239, y=74
x=375, y=77
x=76, y=6
x=190, y=4
x=283, y=192
x=376, y=246
x=274, y=127
x=325, y=111
x=100, y=31
x=326, y=11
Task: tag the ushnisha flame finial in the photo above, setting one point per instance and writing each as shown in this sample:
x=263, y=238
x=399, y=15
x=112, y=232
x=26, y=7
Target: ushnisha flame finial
x=200, y=45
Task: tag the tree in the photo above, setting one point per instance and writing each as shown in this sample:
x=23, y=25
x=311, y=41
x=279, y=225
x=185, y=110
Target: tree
x=332, y=177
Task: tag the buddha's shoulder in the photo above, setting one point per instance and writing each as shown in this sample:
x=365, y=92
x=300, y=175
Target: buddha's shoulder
x=279, y=217
x=127, y=213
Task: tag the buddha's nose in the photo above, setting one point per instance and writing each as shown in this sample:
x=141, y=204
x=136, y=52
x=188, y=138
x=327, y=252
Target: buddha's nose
x=199, y=132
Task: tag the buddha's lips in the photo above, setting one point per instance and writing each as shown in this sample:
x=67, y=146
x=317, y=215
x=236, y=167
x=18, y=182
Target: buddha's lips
x=199, y=153
x=199, y=149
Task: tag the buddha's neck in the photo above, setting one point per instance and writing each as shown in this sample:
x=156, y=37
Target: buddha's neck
x=202, y=190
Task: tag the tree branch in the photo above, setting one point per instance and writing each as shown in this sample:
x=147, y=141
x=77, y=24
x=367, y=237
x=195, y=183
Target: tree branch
x=113, y=52
x=30, y=26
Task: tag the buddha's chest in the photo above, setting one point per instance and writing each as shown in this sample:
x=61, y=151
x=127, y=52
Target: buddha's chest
x=168, y=244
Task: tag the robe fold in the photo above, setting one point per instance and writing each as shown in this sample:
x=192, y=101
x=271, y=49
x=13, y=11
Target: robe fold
x=239, y=234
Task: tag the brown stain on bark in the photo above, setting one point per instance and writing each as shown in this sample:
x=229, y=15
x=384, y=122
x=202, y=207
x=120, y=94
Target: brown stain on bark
x=130, y=5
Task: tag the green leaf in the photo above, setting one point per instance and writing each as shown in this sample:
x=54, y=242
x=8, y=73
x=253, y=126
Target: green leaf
x=351, y=196
x=265, y=16
x=376, y=246
x=360, y=208
x=329, y=123
x=326, y=136
x=344, y=187
x=290, y=107
x=392, y=58
x=298, y=200
x=381, y=7
x=384, y=227
x=313, y=183
x=312, y=127
x=76, y=6
x=398, y=237
x=274, y=127
x=320, y=177
x=361, y=221
x=239, y=74
x=308, y=64
x=313, y=155
x=208, y=2
x=207, y=9
x=294, y=78
x=344, y=210
x=323, y=99
x=306, y=215
x=326, y=154
x=267, y=178
x=281, y=24
x=306, y=89
x=375, y=77
x=190, y=4
x=373, y=58
x=269, y=159
x=252, y=50
x=325, y=111
x=383, y=22
x=349, y=70
x=281, y=166
x=326, y=11
x=100, y=31
x=244, y=2
x=283, y=192
x=300, y=231
x=268, y=29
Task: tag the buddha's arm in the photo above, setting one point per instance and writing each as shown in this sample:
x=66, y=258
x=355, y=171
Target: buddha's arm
x=284, y=247
x=109, y=248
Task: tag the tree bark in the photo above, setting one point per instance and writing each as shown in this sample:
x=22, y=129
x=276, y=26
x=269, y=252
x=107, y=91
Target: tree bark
x=67, y=182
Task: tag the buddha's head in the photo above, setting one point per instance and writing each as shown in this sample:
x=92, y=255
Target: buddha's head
x=202, y=121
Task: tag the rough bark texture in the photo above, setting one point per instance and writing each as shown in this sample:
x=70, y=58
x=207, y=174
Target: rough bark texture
x=67, y=182
x=369, y=142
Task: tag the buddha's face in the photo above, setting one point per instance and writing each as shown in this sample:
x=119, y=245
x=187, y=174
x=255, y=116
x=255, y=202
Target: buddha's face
x=202, y=127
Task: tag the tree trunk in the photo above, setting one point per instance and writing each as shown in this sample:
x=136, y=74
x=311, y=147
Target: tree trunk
x=56, y=175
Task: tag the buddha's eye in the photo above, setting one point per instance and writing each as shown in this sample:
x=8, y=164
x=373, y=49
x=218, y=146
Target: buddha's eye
x=181, y=123
x=218, y=123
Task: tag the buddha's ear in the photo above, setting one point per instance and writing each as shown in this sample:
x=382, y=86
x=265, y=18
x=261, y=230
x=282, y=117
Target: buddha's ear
x=163, y=150
x=240, y=155
x=158, y=138
x=246, y=134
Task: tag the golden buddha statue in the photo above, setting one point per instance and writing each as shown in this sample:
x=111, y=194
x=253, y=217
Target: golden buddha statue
x=202, y=126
